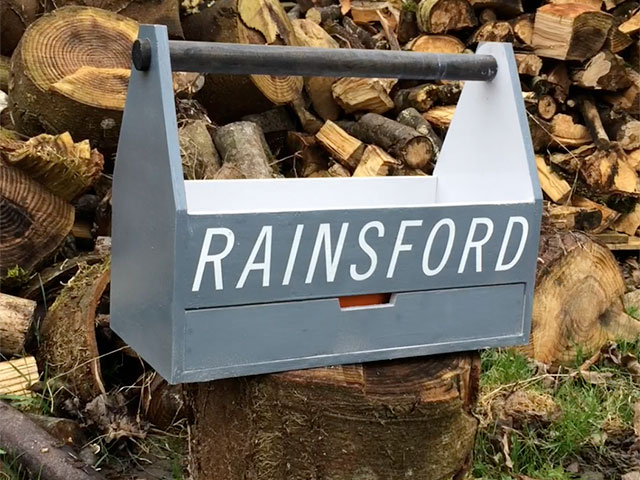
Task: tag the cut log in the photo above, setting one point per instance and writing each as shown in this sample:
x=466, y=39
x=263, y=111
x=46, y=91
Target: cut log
x=442, y=16
x=162, y=12
x=577, y=301
x=200, y=159
x=547, y=107
x=528, y=64
x=594, y=122
x=412, y=118
x=617, y=40
x=16, y=317
x=569, y=31
x=487, y=15
x=375, y=163
x=436, y=44
x=17, y=376
x=402, y=142
x=566, y=217
x=38, y=451
x=629, y=222
x=609, y=216
x=58, y=86
x=15, y=17
x=343, y=147
x=440, y=116
x=552, y=184
x=66, y=168
x=628, y=136
x=68, y=337
x=632, y=25
x=493, y=31
x=523, y=28
x=318, y=88
x=629, y=99
x=364, y=12
x=33, y=221
x=243, y=148
x=633, y=159
x=605, y=71
x=334, y=422
x=566, y=133
x=364, y=94
x=423, y=97
x=230, y=97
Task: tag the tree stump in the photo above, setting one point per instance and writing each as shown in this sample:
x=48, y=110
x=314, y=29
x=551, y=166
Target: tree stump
x=70, y=73
x=383, y=420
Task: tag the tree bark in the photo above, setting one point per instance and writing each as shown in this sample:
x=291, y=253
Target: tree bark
x=230, y=97
x=377, y=420
x=59, y=87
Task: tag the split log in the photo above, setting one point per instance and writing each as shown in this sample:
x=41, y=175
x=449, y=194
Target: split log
x=337, y=170
x=364, y=94
x=335, y=422
x=59, y=86
x=629, y=99
x=594, y=122
x=633, y=159
x=318, y=88
x=310, y=123
x=375, y=162
x=605, y=71
x=528, y=64
x=243, y=150
x=569, y=31
x=66, y=168
x=493, y=31
x=402, y=142
x=309, y=157
x=423, y=97
x=343, y=147
x=364, y=12
x=68, y=337
x=552, y=184
x=15, y=17
x=523, y=28
x=566, y=217
x=38, y=451
x=33, y=221
x=16, y=317
x=440, y=116
x=632, y=25
x=436, y=44
x=566, y=133
x=558, y=77
x=628, y=136
x=162, y=12
x=578, y=300
x=320, y=15
x=200, y=159
x=412, y=118
x=17, y=376
x=629, y=222
x=609, y=216
x=230, y=97
x=442, y=16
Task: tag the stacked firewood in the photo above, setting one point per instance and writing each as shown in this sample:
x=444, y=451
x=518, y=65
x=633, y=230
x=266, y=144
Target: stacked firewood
x=65, y=70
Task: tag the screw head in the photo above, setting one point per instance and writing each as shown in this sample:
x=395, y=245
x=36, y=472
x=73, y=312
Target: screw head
x=141, y=54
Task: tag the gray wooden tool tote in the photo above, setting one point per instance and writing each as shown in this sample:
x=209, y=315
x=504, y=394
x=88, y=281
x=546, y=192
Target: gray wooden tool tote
x=223, y=278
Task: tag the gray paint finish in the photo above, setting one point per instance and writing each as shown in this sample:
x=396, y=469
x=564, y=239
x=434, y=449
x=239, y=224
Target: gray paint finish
x=284, y=314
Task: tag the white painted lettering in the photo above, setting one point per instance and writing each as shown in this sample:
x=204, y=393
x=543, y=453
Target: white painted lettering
x=292, y=255
x=331, y=259
x=263, y=238
x=447, y=251
x=399, y=246
x=366, y=248
x=476, y=244
x=215, y=259
x=500, y=266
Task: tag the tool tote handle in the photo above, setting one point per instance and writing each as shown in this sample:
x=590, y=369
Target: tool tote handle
x=239, y=59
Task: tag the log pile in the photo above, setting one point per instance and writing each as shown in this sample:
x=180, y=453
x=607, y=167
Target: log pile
x=65, y=70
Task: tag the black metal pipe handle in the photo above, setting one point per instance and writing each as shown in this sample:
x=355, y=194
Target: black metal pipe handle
x=240, y=59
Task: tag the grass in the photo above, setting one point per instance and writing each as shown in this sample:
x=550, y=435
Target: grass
x=594, y=429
